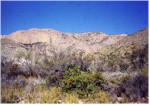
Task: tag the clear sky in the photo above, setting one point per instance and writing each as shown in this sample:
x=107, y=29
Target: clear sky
x=109, y=17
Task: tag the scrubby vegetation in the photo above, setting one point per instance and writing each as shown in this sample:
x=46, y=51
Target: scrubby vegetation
x=82, y=83
x=135, y=86
x=76, y=86
x=117, y=75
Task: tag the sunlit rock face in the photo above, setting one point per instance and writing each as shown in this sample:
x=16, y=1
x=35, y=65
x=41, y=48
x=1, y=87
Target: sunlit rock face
x=87, y=41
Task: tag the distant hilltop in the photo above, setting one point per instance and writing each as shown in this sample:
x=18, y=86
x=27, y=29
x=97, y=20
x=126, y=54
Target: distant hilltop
x=87, y=41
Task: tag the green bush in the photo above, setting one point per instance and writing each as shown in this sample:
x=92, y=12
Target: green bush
x=73, y=71
x=83, y=83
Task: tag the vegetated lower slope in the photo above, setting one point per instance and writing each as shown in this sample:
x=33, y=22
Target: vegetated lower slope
x=139, y=38
x=128, y=53
x=75, y=68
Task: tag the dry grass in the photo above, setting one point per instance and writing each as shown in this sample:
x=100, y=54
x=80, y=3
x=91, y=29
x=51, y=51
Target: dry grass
x=98, y=97
x=101, y=97
x=11, y=94
x=52, y=95
x=71, y=98
x=43, y=94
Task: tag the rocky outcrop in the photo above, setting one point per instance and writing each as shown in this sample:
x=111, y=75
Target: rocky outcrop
x=87, y=41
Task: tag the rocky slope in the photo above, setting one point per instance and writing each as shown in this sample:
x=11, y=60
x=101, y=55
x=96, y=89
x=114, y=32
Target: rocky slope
x=109, y=50
x=88, y=41
x=128, y=53
x=31, y=58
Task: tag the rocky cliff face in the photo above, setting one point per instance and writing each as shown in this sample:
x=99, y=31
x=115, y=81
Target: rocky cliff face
x=87, y=41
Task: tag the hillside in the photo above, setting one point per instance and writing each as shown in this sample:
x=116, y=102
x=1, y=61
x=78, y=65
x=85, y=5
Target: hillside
x=87, y=41
x=90, y=67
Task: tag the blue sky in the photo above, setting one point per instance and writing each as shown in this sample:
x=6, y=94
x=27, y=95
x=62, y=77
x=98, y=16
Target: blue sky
x=109, y=17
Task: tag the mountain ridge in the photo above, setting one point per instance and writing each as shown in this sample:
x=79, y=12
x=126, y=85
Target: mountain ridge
x=87, y=41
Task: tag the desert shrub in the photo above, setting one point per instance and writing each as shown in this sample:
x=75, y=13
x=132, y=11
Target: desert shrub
x=49, y=62
x=13, y=70
x=138, y=86
x=52, y=81
x=123, y=67
x=144, y=70
x=139, y=56
x=19, y=82
x=134, y=86
x=71, y=98
x=21, y=54
x=83, y=83
x=72, y=71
